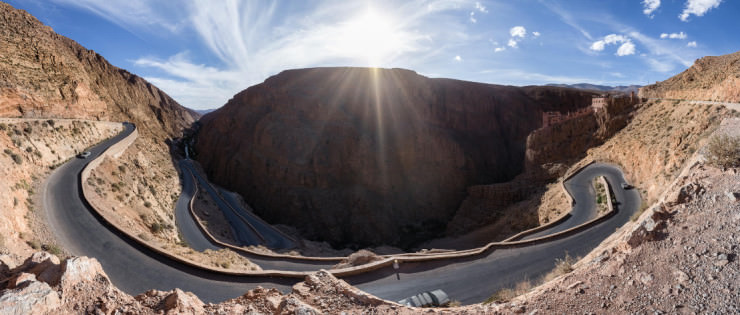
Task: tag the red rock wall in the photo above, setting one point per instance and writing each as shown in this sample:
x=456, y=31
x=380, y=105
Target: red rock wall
x=361, y=156
x=43, y=74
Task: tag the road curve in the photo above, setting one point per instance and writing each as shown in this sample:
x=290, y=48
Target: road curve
x=130, y=266
x=474, y=279
x=191, y=232
x=134, y=268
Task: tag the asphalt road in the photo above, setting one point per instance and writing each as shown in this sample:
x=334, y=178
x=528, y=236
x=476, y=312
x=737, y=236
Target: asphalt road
x=130, y=266
x=273, y=238
x=185, y=222
x=473, y=280
x=582, y=190
x=193, y=235
x=135, y=269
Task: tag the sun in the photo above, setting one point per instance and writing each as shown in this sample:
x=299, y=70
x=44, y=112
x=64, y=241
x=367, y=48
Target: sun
x=370, y=37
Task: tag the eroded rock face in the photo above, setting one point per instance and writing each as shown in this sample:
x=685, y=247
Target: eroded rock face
x=43, y=74
x=712, y=78
x=369, y=156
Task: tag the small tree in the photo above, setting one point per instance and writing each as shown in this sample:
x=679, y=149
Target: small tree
x=724, y=151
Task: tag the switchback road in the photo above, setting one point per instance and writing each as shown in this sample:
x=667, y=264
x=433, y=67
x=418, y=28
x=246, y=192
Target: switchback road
x=135, y=269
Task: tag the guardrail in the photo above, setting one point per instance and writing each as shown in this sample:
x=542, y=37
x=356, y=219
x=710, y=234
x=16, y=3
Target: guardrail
x=118, y=148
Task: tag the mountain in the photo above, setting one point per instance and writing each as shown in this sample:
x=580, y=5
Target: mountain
x=370, y=156
x=711, y=78
x=44, y=74
x=604, y=88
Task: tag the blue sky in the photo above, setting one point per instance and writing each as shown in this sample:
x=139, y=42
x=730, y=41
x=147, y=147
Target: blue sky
x=202, y=52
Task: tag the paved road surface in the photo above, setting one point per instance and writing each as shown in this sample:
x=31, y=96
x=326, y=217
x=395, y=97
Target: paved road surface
x=185, y=222
x=135, y=269
x=473, y=280
x=131, y=267
x=581, y=187
x=192, y=233
x=273, y=238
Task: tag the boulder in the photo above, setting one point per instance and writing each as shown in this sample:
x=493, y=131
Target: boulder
x=80, y=269
x=180, y=302
x=29, y=297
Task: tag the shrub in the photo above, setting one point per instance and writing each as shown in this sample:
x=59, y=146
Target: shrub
x=147, y=204
x=724, y=151
x=29, y=149
x=8, y=151
x=52, y=249
x=156, y=227
x=3, y=127
x=17, y=158
x=34, y=244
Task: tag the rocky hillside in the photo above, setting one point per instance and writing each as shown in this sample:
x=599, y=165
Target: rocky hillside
x=370, y=156
x=709, y=79
x=44, y=74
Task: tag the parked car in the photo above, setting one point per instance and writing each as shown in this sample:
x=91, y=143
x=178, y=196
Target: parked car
x=84, y=155
x=426, y=299
x=626, y=186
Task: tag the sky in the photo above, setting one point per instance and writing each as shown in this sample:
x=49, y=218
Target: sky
x=202, y=52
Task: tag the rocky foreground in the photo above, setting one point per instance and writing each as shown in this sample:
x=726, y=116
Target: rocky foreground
x=44, y=285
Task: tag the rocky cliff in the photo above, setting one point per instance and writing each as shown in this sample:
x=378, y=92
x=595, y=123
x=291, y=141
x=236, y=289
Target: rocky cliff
x=370, y=156
x=711, y=78
x=43, y=74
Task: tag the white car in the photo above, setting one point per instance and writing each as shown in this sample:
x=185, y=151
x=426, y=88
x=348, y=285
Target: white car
x=425, y=299
x=84, y=155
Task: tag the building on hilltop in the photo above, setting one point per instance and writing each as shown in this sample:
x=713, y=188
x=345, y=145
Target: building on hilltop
x=599, y=104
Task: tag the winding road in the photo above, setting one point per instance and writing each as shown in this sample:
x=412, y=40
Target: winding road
x=135, y=269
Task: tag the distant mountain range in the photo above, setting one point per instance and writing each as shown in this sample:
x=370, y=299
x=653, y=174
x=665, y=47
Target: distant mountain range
x=204, y=111
x=605, y=88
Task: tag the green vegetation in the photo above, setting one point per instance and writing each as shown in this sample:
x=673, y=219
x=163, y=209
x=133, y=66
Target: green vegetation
x=34, y=244
x=156, y=227
x=52, y=249
x=147, y=204
x=16, y=158
x=643, y=207
x=724, y=151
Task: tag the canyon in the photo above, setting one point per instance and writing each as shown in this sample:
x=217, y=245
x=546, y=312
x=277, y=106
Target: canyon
x=364, y=156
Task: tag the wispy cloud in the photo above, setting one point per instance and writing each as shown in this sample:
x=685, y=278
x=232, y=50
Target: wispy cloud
x=566, y=17
x=255, y=39
x=649, y=6
x=698, y=8
x=691, y=44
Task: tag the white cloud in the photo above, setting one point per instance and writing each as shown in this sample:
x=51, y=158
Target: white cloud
x=499, y=49
x=626, y=49
x=480, y=7
x=512, y=43
x=598, y=45
x=518, y=31
x=614, y=39
x=649, y=6
x=680, y=35
x=698, y=8
x=458, y=58
x=536, y=34
x=472, y=18
x=691, y=44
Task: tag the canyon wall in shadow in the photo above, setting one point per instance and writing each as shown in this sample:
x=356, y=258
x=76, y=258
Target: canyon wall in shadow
x=359, y=156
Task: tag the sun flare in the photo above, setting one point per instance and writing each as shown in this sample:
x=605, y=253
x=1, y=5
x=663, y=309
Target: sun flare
x=371, y=37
